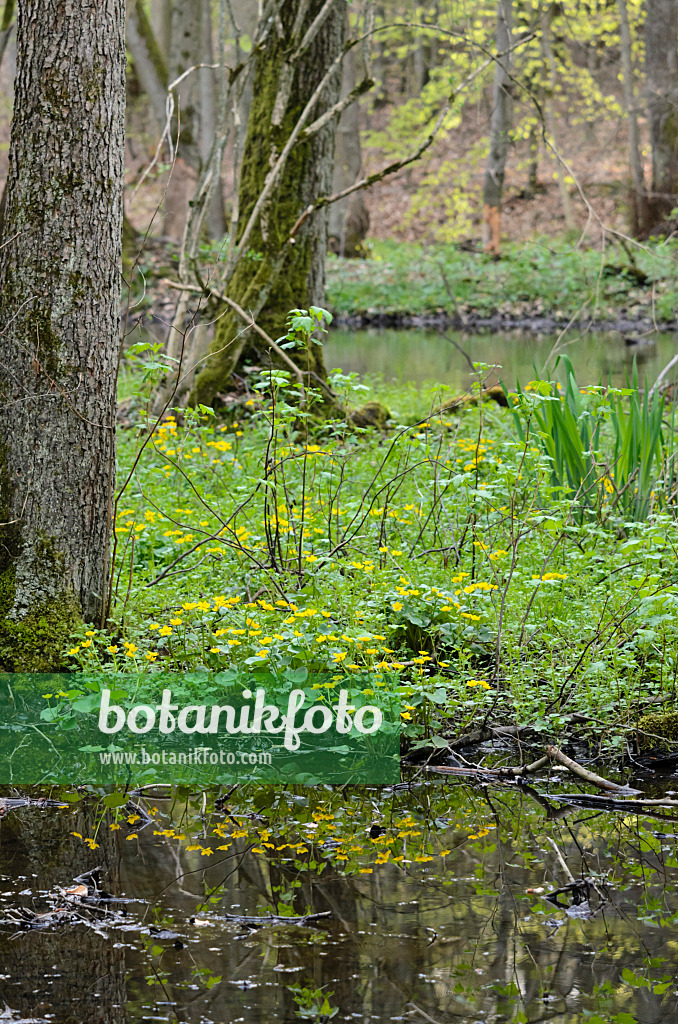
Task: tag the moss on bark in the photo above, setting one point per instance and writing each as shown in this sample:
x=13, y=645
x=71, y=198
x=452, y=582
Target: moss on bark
x=36, y=642
x=273, y=276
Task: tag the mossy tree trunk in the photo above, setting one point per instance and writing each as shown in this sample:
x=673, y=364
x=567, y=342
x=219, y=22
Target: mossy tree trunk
x=661, y=64
x=60, y=269
x=274, y=276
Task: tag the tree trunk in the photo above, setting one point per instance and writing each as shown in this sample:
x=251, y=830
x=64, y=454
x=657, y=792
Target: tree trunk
x=6, y=26
x=661, y=63
x=349, y=219
x=500, y=126
x=638, y=209
x=60, y=266
x=148, y=60
x=547, y=12
x=216, y=217
x=273, y=277
x=160, y=24
x=185, y=52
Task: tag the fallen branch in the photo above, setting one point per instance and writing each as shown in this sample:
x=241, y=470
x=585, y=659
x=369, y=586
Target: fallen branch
x=495, y=774
x=611, y=803
x=554, y=754
x=261, y=922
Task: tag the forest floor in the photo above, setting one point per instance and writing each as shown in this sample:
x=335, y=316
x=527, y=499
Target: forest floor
x=443, y=553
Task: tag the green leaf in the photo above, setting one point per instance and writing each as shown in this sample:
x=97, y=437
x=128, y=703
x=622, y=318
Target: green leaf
x=114, y=800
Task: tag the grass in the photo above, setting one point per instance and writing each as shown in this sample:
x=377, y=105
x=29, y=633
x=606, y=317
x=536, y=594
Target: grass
x=551, y=277
x=441, y=552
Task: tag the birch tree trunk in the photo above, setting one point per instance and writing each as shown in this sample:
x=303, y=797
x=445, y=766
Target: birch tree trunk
x=661, y=63
x=273, y=276
x=60, y=272
x=500, y=126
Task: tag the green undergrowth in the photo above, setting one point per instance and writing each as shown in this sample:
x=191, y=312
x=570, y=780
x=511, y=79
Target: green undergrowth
x=441, y=552
x=543, y=277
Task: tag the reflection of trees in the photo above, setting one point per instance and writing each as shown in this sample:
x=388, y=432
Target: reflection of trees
x=403, y=934
x=71, y=972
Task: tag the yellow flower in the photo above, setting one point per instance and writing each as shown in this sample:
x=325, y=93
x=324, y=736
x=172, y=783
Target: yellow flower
x=151, y=655
x=396, y=606
x=112, y=649
x=215, y=650
x=131, y=650
x=166, y=631
x=177, y=622
x=86, y=643
x=90, y=632
x=339, y=656
x=73, y=651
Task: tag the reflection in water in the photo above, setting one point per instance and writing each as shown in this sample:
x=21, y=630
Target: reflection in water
x=465, y=934
x=420, y=356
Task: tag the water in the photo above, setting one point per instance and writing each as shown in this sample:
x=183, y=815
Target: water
x=418, y=356
x=454, y=938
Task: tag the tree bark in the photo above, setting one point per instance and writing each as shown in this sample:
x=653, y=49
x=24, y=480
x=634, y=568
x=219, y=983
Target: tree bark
x=500, y=126
x=349, y=219
x=60, y=269
x=661, y=63
x=148, y=60
x=273, y=276
x=638, y=208
x=185, y=52
x=216, y=216
x=547, y=12
x=6, y=26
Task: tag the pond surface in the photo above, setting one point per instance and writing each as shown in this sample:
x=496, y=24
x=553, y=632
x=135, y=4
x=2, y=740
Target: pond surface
x=460, y=933
x=418, y=356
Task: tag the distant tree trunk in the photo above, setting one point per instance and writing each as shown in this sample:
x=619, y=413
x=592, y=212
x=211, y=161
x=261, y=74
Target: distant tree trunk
x=216, y=217
x=60, y=266
x=185, y=52
x=500, y=126
x=160, y=24
x=533, y=162
x=149, y=62
x=546, y=14
x=6, y=26
x=349, y=219
x=638, y=207
x=279, y=277
x=661, y=63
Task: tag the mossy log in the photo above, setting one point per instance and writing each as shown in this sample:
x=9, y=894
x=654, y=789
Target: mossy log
x=658, y=730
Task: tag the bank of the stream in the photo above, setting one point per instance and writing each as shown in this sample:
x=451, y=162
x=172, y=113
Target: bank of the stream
x=544, y=285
